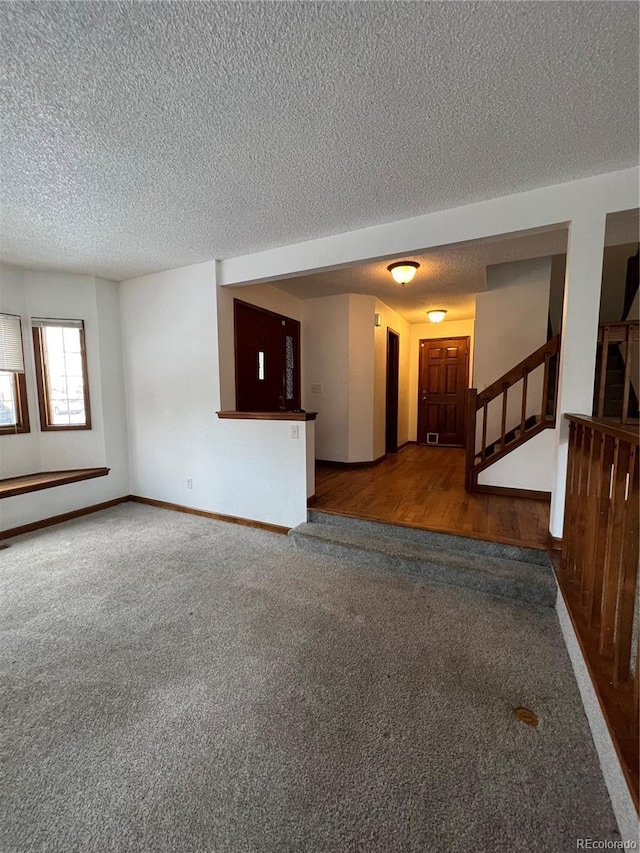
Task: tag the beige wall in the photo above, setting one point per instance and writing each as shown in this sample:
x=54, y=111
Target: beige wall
x=426, y=331
x=325, y=363
x=511, y=323
x=345, y=353
x=614, y=279
x=361, y=377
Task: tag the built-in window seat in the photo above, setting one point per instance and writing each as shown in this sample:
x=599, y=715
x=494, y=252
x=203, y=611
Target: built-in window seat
x=46, y=480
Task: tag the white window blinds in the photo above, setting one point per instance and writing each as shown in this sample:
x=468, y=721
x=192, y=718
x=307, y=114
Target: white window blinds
x=11, y=358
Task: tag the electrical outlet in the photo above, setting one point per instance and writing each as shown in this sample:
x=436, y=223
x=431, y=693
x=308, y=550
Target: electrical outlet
x=189, y=483
x=295, y=431
x=316, y=387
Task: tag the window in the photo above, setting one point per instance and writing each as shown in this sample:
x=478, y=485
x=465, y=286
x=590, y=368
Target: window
x=61, y=374
x=14, y=414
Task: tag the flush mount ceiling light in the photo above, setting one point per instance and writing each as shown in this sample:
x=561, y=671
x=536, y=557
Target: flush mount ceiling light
x=403, y=271
x=437, y=315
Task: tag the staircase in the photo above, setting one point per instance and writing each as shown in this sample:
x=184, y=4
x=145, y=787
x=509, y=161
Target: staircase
x=482, y=452
x=614, y=395
x=612, y=402
x=505, y=571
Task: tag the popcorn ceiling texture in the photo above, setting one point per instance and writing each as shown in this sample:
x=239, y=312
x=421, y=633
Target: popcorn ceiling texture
x=145, y=136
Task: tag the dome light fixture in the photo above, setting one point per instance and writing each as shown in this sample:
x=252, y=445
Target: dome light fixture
x=437, y=315
x=403, y=271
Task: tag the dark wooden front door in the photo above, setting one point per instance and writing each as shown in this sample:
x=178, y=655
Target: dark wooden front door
x=267, y=349
x=393, y=376
x=443, y=381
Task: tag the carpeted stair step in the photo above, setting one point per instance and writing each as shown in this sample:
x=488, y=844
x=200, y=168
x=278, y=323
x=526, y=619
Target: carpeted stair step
x=431, y=538
x=431, y=560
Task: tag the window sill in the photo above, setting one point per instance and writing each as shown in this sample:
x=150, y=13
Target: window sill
x=46, y=480
x=269, y=416
x=14, y=430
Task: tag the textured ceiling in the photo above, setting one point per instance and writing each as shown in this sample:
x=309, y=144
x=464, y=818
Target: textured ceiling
x=144, y=136
x=449, y=276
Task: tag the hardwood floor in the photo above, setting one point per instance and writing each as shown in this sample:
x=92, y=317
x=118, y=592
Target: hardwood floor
x=424, y=487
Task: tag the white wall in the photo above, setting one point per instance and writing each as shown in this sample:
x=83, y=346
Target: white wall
x=614, y=280
x=46, y=294
x=392, y=320
x=251, y=469
x=325, y=362
x=169, y=324
x=261, y=472
x=530, y=466
x=426, y=331
x=511, y=323
x=345, y=353
x=263, y=296
x=580, y=309
x=361, y=377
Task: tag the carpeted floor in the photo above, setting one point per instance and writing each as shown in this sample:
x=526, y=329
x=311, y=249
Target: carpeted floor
x=177, y=684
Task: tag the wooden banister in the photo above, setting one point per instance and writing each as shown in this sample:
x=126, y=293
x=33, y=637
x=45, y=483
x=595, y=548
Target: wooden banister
x=532, y=420
x=528, y=364
x=598, y=574
x=617, y=333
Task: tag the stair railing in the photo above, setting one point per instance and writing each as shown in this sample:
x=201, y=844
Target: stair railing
x=598, y=574
x=530, y=424
x=626, y=334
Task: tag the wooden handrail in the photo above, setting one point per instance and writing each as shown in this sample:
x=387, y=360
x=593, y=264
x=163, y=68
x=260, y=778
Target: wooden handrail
x=532, y=418
x=598, y=574
x=625, y=432
x=511, y=377
x=617, y=332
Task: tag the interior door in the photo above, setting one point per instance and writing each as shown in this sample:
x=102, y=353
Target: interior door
x=442, y=384
x=393, y=371
x=267, y=350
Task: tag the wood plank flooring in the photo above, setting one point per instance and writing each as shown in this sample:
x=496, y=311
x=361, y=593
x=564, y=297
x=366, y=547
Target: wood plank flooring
x=424, y=487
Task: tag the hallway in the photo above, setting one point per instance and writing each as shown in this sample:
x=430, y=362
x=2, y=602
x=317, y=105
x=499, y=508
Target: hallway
x=424, y=487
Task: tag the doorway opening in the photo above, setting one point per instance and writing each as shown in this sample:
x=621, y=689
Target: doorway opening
x=393, y=390
x=443, y=379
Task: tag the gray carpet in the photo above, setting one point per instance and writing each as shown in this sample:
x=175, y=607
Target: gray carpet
x=177, y=684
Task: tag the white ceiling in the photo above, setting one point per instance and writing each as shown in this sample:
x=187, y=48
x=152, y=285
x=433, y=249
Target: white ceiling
x=449, y=276
x=143, y=136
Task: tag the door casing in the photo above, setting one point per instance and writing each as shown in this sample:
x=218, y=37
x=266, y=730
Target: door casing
x=443, y=379
x=393, y=388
